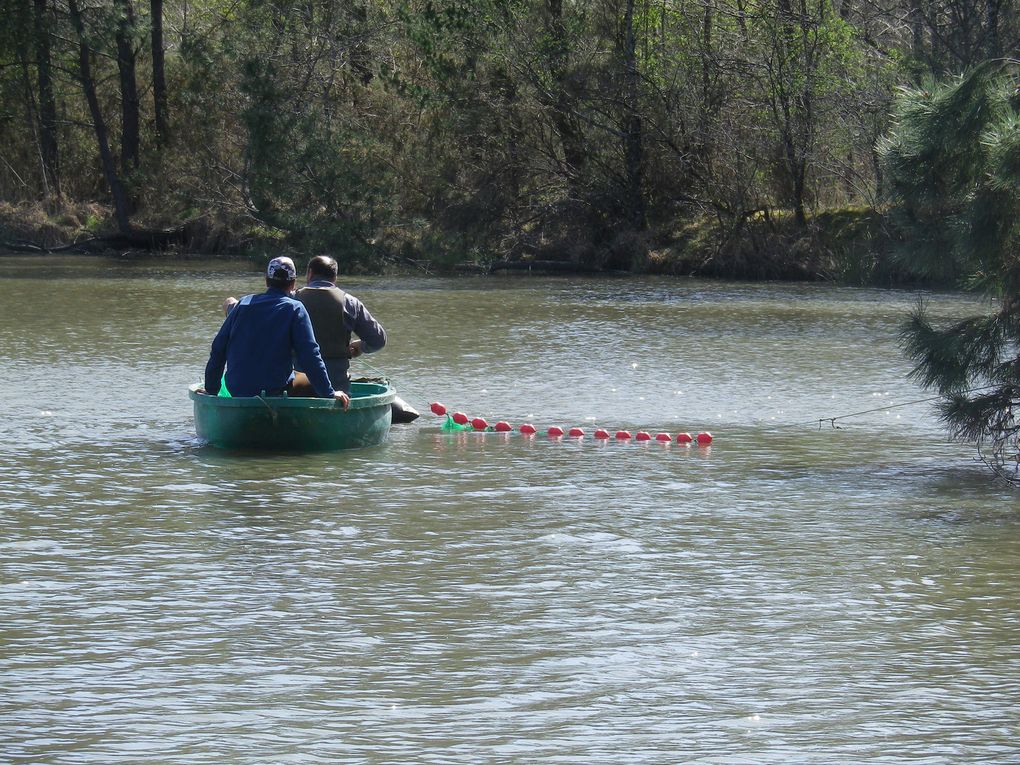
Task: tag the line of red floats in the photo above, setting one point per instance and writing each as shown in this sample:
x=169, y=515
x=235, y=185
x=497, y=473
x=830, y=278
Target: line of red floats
x=480, y=424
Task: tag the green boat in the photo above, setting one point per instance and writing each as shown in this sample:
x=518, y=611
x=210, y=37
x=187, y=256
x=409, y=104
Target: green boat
x=280, y=423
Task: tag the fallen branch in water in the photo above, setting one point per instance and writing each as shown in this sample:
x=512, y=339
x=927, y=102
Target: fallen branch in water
x=562, y=266
x=23, y=245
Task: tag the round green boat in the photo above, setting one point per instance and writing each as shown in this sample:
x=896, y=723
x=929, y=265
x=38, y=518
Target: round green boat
x=280, y=423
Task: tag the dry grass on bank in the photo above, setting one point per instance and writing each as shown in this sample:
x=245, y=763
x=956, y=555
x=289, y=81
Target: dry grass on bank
x=850, y=245
x=58, y=223
x=51, y=223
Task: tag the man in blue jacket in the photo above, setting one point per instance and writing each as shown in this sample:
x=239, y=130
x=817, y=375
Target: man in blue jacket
x=260, y=338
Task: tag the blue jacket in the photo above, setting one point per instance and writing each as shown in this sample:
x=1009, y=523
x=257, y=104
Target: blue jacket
x=256, y=343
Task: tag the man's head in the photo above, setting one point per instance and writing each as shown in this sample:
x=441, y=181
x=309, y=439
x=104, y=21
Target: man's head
x=322, y=267
x=281, y=273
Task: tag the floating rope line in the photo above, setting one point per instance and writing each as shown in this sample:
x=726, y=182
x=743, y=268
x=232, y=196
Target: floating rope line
x=458, y=421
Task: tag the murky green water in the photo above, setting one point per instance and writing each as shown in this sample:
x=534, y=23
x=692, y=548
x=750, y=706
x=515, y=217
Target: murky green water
x=793, y=594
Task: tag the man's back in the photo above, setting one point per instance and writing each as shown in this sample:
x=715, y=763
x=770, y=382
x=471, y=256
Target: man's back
x=256, y=342
x=325, y=306
x=335, y=314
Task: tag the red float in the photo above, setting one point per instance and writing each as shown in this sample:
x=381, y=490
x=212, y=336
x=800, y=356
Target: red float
x=528, y=429
x=478, y=423
x=704, y=439
x=555, y=431
x=438, y=409
x=622, y=435
x=460, y=418
x=503, y=427
x=684, y=438
x=643, y=435
x=576, y=433
x=664, y=437
x=601, y=433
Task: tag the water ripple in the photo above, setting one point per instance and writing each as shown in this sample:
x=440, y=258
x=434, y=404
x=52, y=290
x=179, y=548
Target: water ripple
x=791, y=595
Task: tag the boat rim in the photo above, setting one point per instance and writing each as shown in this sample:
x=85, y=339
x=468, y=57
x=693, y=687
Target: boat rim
x=385, y=395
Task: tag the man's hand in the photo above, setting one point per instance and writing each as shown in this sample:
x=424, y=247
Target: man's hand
x=343, y=398
x=354, y=349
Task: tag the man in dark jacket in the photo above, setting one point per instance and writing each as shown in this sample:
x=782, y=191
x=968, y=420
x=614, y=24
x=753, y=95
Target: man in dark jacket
x=261, y=336
x=335, y=315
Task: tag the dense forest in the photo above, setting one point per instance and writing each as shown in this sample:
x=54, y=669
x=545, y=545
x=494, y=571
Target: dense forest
x=616, y=134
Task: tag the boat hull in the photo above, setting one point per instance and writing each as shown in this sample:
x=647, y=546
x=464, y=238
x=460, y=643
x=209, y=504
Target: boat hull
x=281, y=423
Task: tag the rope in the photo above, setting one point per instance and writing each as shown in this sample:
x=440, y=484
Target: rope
x=272, y=412
x=361, y=360
x=381, y=373
x=832, y=420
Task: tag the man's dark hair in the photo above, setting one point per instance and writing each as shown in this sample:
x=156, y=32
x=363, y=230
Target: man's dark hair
x=324, y=267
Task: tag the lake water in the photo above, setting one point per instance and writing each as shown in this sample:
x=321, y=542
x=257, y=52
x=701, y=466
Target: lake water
x=794, y=593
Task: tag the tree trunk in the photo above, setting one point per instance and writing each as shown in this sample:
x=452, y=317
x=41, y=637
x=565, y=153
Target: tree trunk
x=570, y=139
x=633, y=151
x=917, y=24
x=993, y=48
x=795, y=106
x=130, y=137
x=88, y=85
x=21, y=21
x=49, y=147
x=707, y=69
x=158, y=72
x=799, y=190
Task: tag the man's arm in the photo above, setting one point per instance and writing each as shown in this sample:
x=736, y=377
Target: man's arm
x=217, y=357
x=371, y=333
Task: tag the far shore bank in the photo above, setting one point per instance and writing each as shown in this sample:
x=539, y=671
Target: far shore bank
x=853, y=246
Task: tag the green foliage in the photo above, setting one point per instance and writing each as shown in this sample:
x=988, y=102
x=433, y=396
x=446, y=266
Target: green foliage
x=936, y=159
x=973, y=364
x=952, y=162
x=467, y=129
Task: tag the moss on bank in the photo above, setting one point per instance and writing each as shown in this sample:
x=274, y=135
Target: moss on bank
x=848, y=246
